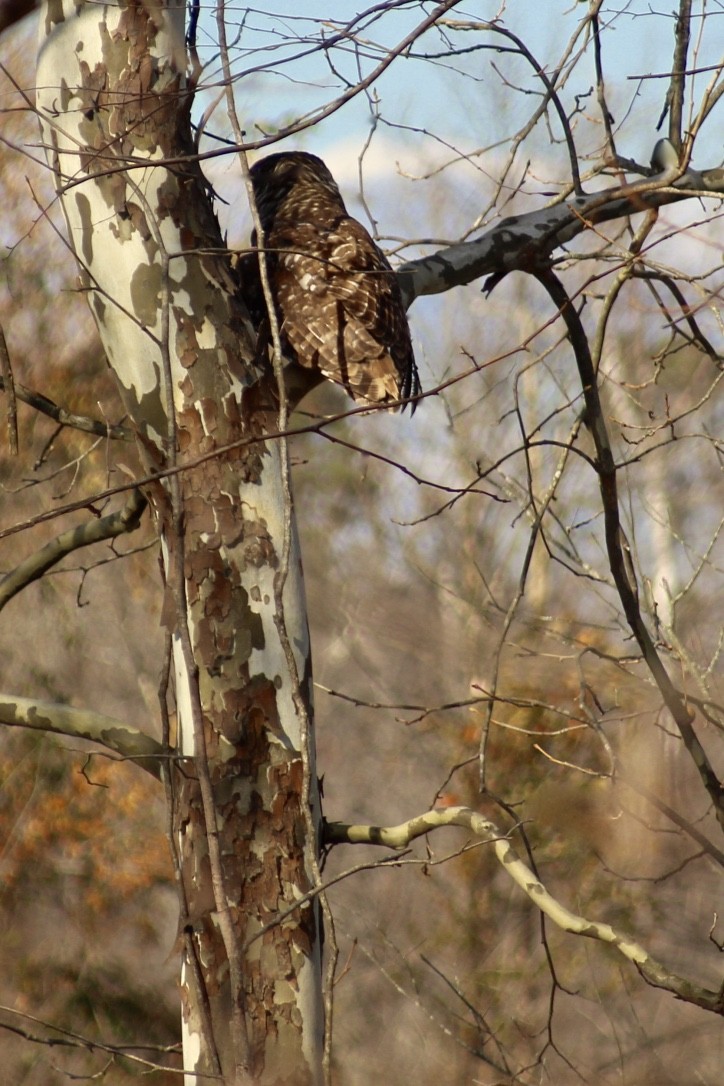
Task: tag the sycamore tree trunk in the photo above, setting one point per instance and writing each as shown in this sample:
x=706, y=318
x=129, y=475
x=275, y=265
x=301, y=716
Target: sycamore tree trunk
x=114, y=106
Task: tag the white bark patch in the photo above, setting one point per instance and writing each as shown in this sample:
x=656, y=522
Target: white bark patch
x=191, y=1037
x=259, y=582
x=112, y=206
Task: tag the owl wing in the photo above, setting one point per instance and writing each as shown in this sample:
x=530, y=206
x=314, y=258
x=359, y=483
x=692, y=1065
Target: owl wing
x=341, y=309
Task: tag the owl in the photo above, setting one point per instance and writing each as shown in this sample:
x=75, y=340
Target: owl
x=338, y=303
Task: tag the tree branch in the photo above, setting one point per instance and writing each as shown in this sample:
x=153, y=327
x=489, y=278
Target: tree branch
x=69, y=1039
x=517, y=242
x=48, y=407
x=32, y=569
x=617, y=546
x=677, y=87
x=116, y=736
x=8, y=383
x=399, y=837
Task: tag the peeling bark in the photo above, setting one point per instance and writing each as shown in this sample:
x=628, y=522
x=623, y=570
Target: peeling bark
x=114, y=104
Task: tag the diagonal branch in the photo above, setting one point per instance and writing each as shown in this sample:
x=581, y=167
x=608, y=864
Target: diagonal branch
x=521, y=240
x=115, y=735
x=32, y=569
x=398, y=837
x=616, y=543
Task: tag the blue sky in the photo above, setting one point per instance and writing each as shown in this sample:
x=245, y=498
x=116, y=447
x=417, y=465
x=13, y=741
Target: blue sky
x=430, y=93
x=431, y=107
x=433, y=110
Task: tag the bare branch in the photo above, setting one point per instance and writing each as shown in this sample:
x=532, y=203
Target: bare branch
x=61, y=1037
x=675, y=94
x=684, y=824
x=617, y=545
x=606, y=116
x=115, y=735
x=515, y=243
x=399, y=837
x=8, y=383
x=115, y=524
x=47, y=407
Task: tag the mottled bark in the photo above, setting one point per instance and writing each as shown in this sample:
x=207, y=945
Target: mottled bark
x=526, y=241
x=114, y=104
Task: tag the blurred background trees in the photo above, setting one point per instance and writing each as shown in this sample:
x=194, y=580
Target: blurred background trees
x=459, y=587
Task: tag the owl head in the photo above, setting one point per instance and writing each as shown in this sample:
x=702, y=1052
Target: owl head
x=294, y=173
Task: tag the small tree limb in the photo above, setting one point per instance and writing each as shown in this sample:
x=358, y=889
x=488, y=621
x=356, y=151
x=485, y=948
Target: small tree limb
x=400, y=836
x=6, y=376
x=677, y=87
x=516, y=243
x=59, y=414
x=619, y=554
x=32, y=568
x=115, y=735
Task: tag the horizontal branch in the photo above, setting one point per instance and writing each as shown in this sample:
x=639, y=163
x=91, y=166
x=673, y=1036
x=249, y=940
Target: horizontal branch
x=399, y=837
x=123, y=520
x=58, y=1036
x=522, y=240
x=114, y=735
x=60, y=415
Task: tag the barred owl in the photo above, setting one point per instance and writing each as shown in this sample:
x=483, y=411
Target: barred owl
x=338, y=302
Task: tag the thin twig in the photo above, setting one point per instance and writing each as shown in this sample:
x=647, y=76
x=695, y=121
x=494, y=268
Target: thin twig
x=96, y=530
x=48, y=407
x=8, y=383
x=616, y=544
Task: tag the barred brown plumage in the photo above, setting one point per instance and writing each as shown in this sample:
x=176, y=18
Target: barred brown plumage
x=338, y=302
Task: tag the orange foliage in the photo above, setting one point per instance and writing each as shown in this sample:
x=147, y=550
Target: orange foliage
x=89, y=818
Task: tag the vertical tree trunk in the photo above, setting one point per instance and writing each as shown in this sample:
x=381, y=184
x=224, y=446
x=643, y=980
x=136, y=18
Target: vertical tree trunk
x=114, y=105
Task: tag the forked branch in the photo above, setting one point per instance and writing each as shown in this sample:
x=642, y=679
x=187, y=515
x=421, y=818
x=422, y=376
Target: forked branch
x=399, y=837
x=616, y=543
